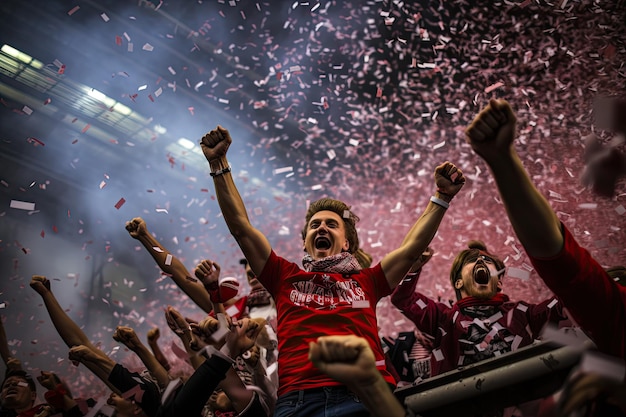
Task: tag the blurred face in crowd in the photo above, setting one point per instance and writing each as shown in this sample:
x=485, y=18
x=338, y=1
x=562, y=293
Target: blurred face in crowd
x=252, y=280
x=325, y=235
x=479, y=278
x=17, y=394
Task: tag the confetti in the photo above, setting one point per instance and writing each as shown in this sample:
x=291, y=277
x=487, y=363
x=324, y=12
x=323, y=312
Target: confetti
x=360, y=304
x=35, y=142
x=22, y=205
x=493, y=87
x=519, y=273
x=120, y=203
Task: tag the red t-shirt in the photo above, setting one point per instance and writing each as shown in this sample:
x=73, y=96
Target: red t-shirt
x=595, y=301
x=313, y=304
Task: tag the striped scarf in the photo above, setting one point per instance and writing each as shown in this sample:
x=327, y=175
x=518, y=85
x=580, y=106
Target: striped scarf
x=341, y=263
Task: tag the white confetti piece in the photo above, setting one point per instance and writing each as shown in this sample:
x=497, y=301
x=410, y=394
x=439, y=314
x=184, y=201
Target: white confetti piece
x=519, y=273
x=22, y=205
x=610, y=367
x=438, y=355
x=494, y=318
x=282, y=170
x=147, y=47
x=439, y=145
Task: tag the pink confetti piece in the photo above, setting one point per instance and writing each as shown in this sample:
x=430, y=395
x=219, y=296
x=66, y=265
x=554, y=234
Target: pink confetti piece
x=73, y=10
x=118, y=40
x=35, y=141
x=360, y=304
x=42, y=234
x=120, y=203
x=47, y=101
x=86, y=128
x=492, y=87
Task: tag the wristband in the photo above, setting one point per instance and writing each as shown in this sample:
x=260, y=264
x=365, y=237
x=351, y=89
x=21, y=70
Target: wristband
x=221, y=172
x=440, y=202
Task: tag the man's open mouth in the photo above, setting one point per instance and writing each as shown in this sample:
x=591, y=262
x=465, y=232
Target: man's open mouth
x=482, y=274
x=322, y=243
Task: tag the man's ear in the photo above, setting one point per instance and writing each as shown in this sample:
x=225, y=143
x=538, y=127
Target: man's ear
x=458, y=284
x=346, y=245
